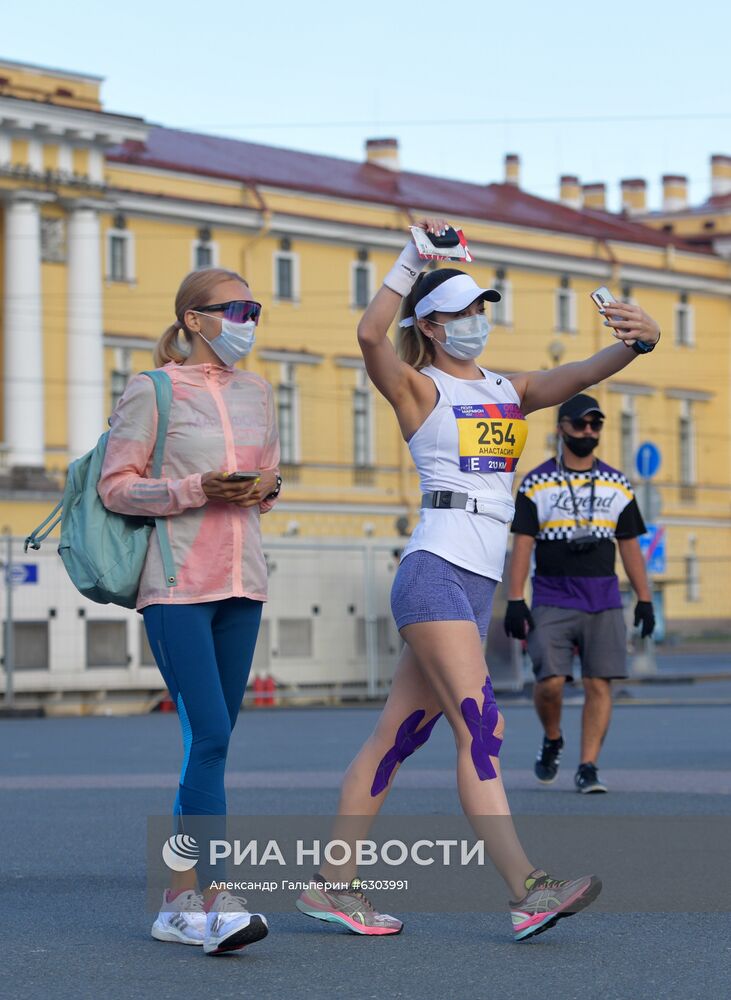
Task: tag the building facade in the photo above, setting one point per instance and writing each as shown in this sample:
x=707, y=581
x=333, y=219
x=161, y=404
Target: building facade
x=101, y=215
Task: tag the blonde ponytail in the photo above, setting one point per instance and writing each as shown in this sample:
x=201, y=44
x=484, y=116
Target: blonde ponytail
x=414, y=348
x=168, y=346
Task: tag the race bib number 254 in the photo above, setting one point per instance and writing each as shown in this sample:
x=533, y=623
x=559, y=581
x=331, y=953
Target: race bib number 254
x=491, y=436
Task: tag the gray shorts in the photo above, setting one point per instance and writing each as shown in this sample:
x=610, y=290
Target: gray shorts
x=600, y=639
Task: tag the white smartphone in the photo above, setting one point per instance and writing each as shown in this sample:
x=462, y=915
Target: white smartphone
x=602, y=298
x=242, y=477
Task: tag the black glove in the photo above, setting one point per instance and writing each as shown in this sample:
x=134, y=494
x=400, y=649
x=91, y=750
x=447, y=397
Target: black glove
x=645, y=615
x=517, y=617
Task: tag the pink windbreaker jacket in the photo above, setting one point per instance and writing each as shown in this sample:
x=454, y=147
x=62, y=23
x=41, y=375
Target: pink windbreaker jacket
x=221, y=419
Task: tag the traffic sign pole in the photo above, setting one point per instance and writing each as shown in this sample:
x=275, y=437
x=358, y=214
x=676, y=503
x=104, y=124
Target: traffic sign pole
x=647, y=463
x=9, y=650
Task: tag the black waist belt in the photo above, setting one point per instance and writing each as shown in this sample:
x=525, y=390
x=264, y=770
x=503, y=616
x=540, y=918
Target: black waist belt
x=445, y=499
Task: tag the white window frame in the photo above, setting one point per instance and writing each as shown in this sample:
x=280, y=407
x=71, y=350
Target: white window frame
x=684, y=309
x=294, y=258
x=288, y=379
x=367, y=266
x=195, y=245
x=363, y=390
x=628, y=409
x=686, y=415
x=570, y=295
x=502, y=312
x=129, y=256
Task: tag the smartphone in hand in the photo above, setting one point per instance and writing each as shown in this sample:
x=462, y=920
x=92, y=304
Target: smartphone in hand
x=243, y=477
x=603, y=298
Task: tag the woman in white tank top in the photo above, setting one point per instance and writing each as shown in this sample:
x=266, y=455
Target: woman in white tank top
x=465, y=427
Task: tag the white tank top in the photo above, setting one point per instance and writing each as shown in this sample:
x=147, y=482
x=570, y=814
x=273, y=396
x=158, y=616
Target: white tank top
x=470, y=443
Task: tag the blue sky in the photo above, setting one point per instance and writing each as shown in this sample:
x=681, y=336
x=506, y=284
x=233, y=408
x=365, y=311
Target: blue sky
x=633, y=89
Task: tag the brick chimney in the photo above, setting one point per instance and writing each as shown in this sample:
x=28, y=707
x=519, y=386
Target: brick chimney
x=595, y=196
x=512, y=169
x=570, y=191
x=383, y=153
x=720, y=174
x=674, y=192
x=634, y=195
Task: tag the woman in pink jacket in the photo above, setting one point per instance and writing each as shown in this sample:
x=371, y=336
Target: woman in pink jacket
x=202, y=629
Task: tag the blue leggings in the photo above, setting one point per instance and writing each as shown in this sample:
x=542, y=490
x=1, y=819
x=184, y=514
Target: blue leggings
x=204, y=652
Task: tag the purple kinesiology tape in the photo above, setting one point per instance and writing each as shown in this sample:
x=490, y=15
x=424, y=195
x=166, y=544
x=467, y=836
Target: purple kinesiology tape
x=407, y=741
x=482, y=724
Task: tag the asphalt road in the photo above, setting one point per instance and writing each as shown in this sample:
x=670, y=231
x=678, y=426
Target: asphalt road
x=75, y=794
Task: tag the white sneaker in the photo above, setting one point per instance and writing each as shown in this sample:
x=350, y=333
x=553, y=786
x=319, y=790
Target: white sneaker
x=185, y=922
x=229, y=925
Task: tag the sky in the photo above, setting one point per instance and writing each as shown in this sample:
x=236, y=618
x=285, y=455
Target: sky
x=628, y=89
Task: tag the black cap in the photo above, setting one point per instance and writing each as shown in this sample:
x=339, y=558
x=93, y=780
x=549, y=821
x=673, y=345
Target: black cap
x=579, y=406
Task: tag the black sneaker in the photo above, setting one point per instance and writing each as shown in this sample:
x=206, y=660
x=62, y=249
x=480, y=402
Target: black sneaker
x=547, y=761
x=587, y=780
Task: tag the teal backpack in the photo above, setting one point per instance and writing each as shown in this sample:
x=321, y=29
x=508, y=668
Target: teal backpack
x=104, y=552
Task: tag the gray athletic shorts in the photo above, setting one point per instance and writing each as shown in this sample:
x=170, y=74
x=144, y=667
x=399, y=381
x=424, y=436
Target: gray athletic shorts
x=600, y=637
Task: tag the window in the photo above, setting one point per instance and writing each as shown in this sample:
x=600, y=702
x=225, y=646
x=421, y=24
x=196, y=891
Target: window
x=30, y=645
x=53, y=240
x=120, y=374
x=147, y=657
x=287, y=416
x=286, y=276
x=628, y=435
x=120, y=255
x=295, y=637
x=388, y=642
x=205, y=253
x=565, y=308
x=106, y=643
x=692, y=573
x=502, y=311
x=684, y=326
x=686, y=444
x=260, y=663
x=361, y=283
x=362, y=422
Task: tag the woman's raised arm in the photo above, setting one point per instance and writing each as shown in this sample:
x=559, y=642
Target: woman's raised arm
x=538, y=390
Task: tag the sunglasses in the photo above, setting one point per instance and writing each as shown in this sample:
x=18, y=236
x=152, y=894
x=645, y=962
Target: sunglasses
x=579, y=424
x=238, y=311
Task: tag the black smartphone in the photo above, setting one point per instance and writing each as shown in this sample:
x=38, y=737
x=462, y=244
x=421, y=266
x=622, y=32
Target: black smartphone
x=450, y=238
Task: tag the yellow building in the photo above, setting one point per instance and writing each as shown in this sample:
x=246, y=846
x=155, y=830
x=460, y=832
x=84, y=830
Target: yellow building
x=102, y=214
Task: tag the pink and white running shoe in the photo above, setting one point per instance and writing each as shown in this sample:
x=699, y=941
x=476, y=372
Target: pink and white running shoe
x=348, y=907
x=547, y=900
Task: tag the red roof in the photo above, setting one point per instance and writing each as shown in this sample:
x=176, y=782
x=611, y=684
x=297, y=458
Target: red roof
x=249, y=162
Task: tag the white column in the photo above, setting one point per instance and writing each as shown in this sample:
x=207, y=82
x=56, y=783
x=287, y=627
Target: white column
x=24, y=387
x=84, y=334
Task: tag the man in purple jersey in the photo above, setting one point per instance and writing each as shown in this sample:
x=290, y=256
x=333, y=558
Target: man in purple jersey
x=571, y=509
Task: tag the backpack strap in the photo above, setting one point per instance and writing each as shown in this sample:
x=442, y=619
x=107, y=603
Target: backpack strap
x=38, y=535
x=164, y=399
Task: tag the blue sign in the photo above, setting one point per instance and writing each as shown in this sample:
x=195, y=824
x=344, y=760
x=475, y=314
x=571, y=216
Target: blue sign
x=647, y=460
x=24, y=573
x=653, y=549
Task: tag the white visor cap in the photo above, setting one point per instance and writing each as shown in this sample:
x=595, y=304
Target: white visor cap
x=452, y=296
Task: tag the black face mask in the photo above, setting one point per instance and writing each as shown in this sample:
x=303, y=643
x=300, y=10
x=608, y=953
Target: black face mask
x=580, y=446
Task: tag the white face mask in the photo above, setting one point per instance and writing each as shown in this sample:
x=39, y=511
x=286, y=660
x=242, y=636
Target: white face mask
x=234, y=341
x=466, y=337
